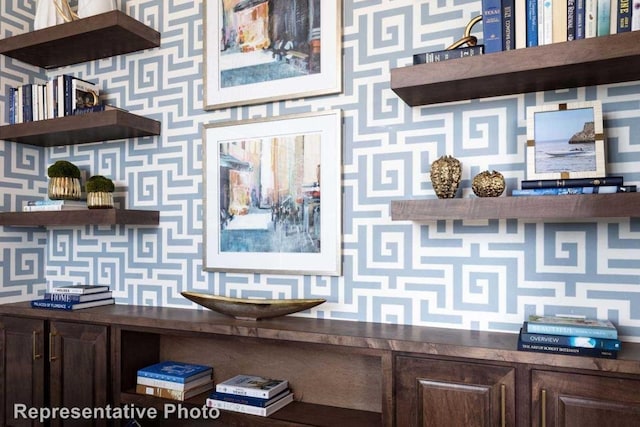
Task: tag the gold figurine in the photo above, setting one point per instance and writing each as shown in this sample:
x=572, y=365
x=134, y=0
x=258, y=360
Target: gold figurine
x=65, y=11
x=468, y=38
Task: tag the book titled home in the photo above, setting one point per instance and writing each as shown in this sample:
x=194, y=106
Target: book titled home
x=571, y=326
x=67, y=297
x=252, y=385
x=79, y=289
x=180, y=372
x=249, y=409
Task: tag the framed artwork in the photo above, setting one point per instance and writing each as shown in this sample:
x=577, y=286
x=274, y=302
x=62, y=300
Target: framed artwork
x=258, y=51
x=565, y=141
x=273, y=199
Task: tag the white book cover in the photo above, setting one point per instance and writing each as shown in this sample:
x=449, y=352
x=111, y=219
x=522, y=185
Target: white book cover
x=521, y=23
x=173, y=385
x=613, y=23
x=635, y=17
x=252, y=385
x=248, y=409
x=559, y=21
x=545, y=22
x=590, y=18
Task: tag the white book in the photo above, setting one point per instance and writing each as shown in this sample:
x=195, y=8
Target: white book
x=172, y=385
x=521, y=23
x=252, y=385
x=613, y=24
x=80, y=289
x=590, y=18
x=635, y=17
x=248, y=409
x=545, y=22
x=40, y=208
x=559, y=21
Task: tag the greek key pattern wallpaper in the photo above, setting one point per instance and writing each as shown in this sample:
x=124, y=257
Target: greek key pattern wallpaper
x=481, y=275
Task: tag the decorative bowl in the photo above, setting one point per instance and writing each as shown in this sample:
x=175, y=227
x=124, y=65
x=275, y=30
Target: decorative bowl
x=251, y=308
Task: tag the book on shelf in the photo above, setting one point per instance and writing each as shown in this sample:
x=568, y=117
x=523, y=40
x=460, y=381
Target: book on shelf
x=532, y=23
x=508, y=25
x=571, y=326
x=623, y=16
x=570, y=341
x=492, y=25
x=590, y=18
x=247, y=400
x=571, y=20
x=558, y=191
x=47, y=202
x=579, y=18
x=95, y=109
x=77, y=297
x=180, y=372
x=635, y=17
x=80, y=289
x=572, y=182
x=545, y=22
x=559, y=21
x=68, y=306
x=252, y=385
x=57, y=207
x=446, y=54
x=603, y=22
x=559, y=349
x=249, y=409
x=167, y=393
x=173, y=385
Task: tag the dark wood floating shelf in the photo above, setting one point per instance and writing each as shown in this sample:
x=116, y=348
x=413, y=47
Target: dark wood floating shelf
x=95, y=37
x=80, y=217
x=533, y=207
x=587, y=62
x=91, y=127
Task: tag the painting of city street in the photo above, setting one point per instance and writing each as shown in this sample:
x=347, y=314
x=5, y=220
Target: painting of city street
x=272, y=190
x=273, y=49
x=565, y=141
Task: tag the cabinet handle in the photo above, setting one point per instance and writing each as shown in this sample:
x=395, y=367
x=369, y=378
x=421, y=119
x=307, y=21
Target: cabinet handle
x=34, y=345
x=52, y=357
x=503, y=405
x=543, y=408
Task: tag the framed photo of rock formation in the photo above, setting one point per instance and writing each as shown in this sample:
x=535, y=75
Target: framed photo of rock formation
x=258, y=51
x=565, y=141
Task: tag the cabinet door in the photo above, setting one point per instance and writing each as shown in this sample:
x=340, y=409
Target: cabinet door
x=21, y=368
x=78, y=363
x=567, y=400
x=438, y=393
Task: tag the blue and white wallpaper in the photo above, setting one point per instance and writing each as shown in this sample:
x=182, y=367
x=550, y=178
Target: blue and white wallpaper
x=481, y=275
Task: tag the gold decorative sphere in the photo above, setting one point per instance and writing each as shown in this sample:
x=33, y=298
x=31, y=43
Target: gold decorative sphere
x=488, y=184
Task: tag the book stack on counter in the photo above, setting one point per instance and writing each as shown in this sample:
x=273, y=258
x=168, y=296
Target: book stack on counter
x=75, y=297
x=555, y=187
x=251, y=394
x=174, y=380
x=570, y=335
x=54, y=205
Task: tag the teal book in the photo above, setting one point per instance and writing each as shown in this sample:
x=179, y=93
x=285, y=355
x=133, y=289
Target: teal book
x=569, y=341
x=571, y=326
x=603, y=26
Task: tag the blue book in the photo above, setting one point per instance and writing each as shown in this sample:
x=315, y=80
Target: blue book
x=571, y=20
x=570, y=341
x=77, y=297
x=566, y=350
x=508, y=25
x=248, y=400
x=571, y=326
x=492, y=25
x=69, y=306
x=532, y=23
x=559, y=191
x=178, y=372
x=623, y=21
x=12, y=106
x=579, y=19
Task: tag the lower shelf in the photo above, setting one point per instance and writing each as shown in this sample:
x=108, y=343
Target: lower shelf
x=296, y=413
x=80, y=217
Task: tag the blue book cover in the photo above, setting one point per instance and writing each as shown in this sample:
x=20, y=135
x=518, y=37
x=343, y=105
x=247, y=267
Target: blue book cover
x=508, y=25
x=559, y=191
x=571, y=326
x=623, y=21
x=77, y=297
x=248, y=400
x=572, y=351
x=579, y=19
x=492, y=25
x=12, y=107
x=532, y=23
x=179, y=372
x=571, y=20
x=570, y=341
x=69, y=306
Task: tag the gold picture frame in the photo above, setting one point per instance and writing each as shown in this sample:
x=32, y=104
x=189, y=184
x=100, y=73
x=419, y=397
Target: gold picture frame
x=565, y=141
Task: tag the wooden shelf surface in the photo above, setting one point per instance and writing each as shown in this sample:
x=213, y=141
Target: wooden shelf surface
x=587, y=62
x=523, y=207
x=80, y=217
x=91, y=127
x=95, y=37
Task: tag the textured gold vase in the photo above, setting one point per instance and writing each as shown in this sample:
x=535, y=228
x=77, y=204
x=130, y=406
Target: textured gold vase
x=446, y=173
x=64, y=188
x=488, y=184
x=99, y=200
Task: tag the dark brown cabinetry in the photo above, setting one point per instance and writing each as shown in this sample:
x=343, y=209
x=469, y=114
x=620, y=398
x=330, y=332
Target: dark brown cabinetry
x=52, y=364
x=432, y=392
x=579, y=400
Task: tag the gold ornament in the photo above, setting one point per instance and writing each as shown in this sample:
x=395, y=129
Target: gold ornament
x=488, y=184
x=446, y=173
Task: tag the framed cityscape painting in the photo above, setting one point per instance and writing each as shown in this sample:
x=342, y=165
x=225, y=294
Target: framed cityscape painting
x=259, y=51
x=565, y=141
x=273, y=195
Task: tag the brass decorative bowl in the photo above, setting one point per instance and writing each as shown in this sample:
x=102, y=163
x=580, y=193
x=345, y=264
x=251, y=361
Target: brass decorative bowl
x=251, y=309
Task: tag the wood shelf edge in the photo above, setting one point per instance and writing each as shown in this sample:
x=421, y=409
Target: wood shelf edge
x=80, y=217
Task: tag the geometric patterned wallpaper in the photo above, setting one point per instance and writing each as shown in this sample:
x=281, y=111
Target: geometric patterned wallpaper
x=480, y=275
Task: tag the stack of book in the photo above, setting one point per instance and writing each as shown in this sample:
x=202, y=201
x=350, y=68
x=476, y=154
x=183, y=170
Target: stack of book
x=174, y=380
x=75, y=297
x=570, y=335
x=250, y=394
x=554, y=187
x=54, y=205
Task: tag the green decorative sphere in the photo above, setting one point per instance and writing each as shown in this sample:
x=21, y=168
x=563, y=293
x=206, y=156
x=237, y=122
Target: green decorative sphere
x=99, y=184
x=63, y=169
